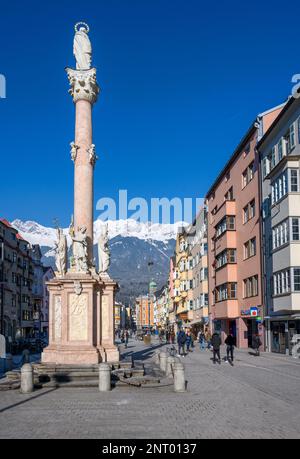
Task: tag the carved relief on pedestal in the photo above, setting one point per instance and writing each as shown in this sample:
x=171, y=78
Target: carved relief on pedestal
x=57, y=318
x=83, y=85
x=78, y=317
x=105, y=317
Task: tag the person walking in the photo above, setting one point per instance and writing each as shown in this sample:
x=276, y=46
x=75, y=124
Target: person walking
x=188, y=341
x=229, y=341
x=216, y=343
x=256, y=344
x=208, y=339
x=201, y=340
x=172, y=337
x=126, y=337
x=181, y=339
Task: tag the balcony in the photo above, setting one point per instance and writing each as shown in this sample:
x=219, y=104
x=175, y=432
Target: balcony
x=228, y=273
x=228, y=309
x=226, y=241
x=227, y=208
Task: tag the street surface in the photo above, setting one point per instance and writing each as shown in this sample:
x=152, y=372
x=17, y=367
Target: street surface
x=259, y=397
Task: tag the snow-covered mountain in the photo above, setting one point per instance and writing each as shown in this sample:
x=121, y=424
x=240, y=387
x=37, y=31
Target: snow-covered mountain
x=35, y=233
x=139, y=251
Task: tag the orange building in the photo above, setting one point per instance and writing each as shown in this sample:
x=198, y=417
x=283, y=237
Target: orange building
x=145, y=311
x=234, y=247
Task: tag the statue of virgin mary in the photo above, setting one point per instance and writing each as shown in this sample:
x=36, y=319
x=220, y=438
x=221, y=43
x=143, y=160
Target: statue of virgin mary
x=82, y=47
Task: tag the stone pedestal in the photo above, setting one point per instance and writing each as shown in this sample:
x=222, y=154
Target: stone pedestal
x=81, y=320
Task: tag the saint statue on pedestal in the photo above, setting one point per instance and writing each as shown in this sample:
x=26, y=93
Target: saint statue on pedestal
x=103, y=250
x=61, y=252
x=80, y=250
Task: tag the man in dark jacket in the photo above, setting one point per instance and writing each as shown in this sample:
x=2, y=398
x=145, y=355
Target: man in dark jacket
x=256, y=344
x=216, y=343
x=229, y=341
x=181, y=339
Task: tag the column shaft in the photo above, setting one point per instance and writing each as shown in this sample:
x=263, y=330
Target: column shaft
x=84, y=172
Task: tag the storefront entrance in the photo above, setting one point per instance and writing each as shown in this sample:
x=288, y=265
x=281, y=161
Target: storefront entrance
x=252, y=330
x=282, y=333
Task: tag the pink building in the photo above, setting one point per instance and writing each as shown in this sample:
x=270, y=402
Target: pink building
x=234, y=241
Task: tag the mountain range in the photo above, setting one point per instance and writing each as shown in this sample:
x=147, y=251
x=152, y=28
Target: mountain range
x=140, y=252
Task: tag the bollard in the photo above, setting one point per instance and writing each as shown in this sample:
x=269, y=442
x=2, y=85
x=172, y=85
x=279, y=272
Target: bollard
x=163, y=361
x=157, y=357
x=8, y=362
x=104, y=377
x=179, y=378
x=26, y=379
x=170, y=364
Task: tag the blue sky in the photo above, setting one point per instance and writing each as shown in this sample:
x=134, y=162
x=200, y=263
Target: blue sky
x=181, y=81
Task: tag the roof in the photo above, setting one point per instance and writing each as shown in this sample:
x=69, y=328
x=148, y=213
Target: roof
x=289, y=103
x=6, y=223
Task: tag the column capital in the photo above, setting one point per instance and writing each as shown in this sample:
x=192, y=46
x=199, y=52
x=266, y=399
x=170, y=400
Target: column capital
x=83, y=85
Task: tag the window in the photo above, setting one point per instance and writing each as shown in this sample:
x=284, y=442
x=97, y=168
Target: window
x=281, y=282
x=226, y=292
x=273, y=157
x=229, y=195
x=248, y=175
x=14, y=257
x=227, y=223
x=231, y=223
x=227, y=256
x=249, y=211
x=250, y=248
x=290, y=138
x=280, y=234
x=279, y=188
x=13, y=301
x=295, y=229
x=294, y=180
x=251, y=287
x=203, y=274
x=266, y=167
x=296, y=279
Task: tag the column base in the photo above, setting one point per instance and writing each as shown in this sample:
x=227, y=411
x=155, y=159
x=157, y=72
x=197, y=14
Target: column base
x=110, y=354
x=71, y=355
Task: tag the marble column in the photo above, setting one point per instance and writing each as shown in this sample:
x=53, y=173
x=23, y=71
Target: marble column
x=84, y=91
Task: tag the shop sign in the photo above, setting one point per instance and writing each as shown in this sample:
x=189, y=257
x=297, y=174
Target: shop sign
x=254, y=312
x=251, y=312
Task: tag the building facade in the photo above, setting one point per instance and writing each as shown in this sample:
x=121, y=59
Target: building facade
x=20, y=290
x=48, y=274
x=144, y=307
x=280, y=194
x=183, y=282
x=234, y=251
x=198, y=314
